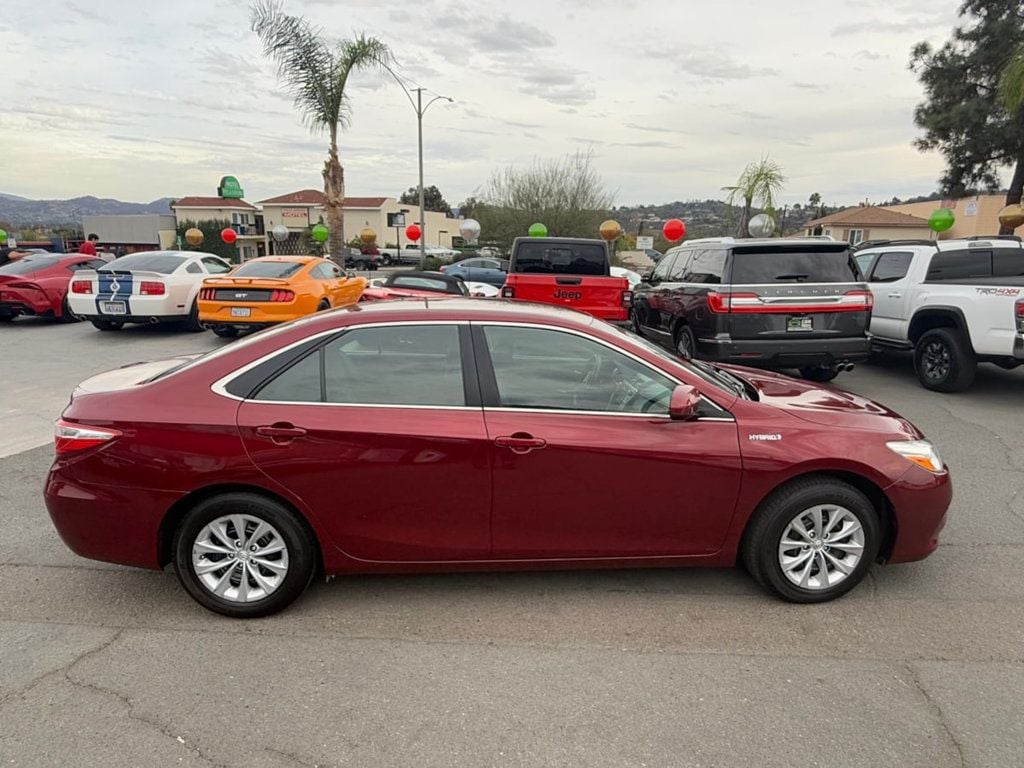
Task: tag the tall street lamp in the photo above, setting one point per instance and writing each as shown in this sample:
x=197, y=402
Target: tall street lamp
x=420, y=109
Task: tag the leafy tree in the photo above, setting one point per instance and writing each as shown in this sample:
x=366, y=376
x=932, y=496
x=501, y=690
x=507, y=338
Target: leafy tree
x=814, y=201
x=316, y=72
x=565, y=194
x=469, y=207
x=759, y=185
x=212, y=243
x=973, y=111
x=433, y=200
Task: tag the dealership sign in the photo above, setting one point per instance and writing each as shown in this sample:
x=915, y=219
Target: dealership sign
x=230, y=188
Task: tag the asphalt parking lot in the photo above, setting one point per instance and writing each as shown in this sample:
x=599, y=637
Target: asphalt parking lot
x=923, y=665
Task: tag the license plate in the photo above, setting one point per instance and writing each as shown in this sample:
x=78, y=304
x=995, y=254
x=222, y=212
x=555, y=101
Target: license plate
x=799, y=324
x=241, y=311
x=115, y=308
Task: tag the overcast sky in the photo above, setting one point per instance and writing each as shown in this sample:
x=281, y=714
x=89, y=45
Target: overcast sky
x=139, y=100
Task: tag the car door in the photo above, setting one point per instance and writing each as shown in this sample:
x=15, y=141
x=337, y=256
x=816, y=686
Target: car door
x=379, y=432
x=653, y=298
x=587, y=462
x=890, y=287
x=488, y=271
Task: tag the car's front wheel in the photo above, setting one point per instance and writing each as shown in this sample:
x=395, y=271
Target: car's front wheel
x=813, y=540
x=243, y=555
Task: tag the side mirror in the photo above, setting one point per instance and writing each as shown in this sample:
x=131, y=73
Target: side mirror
x=684, y=403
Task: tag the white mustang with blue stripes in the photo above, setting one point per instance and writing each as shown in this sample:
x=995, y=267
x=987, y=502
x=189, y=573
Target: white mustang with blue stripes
x=146, y=287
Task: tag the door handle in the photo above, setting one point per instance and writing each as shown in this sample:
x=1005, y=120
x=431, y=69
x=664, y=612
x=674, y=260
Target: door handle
x=520, y=442
x=895, y=295
x=281, y=432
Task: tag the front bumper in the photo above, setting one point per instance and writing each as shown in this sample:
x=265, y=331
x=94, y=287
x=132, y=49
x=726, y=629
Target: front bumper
x=920, y=500
x=784, y=353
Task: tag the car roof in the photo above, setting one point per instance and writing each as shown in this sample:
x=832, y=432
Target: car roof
x=292, y=259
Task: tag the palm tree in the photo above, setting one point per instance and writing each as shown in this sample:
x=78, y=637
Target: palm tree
x=758, y=185
x=316, y=71
x=1011, y=93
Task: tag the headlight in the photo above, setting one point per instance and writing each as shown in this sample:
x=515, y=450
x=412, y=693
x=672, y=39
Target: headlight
x=921, y=452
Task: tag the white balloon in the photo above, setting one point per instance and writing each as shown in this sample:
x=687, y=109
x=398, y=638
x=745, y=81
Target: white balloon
x=280, y=233
x=762, y=225
x=469, y=229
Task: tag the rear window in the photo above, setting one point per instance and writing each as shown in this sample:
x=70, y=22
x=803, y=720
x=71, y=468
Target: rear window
x=803, y=266
x=561, y=259
x=272, y=269
x=951, y=266
x=28, y=265
x=164, y=263
x=423, y=284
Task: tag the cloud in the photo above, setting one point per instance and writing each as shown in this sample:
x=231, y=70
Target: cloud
x=869, y=55
x=879, y=27
x=654, y=129
x=816, y=87
x=713, y=63
x=506, y=34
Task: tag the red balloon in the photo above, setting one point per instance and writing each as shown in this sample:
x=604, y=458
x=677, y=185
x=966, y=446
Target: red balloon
x=673, y=230
x=413, y=232
x=228, y=235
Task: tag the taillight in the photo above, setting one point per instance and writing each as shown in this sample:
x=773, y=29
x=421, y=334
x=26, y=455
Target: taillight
x=279, y=295
x=721, y=303
x=81, y=286
x=508, y=292
x=627, y=299
x=1020, y=315
x=859, y=301
x=752, y=304
x=207, y=294
x=152, y=288
x=72, y=438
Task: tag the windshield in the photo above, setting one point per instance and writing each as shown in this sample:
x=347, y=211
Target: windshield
x=274, y=269
x=423, y=284
x=28, y=265
x=561, y=259
x=164, y=263
x=803, y=266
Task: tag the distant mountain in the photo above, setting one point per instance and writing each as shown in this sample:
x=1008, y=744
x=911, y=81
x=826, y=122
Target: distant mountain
x=22, y=212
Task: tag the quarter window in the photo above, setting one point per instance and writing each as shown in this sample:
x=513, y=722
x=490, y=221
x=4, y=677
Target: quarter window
x=1008, y=262
x=216, y=266
x=891, y=267
x=193, y=268
x=543, y=369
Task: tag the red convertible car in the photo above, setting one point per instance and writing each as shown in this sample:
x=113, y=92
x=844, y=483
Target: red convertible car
x=406, y=285
x=38, y=284
x=403, y=436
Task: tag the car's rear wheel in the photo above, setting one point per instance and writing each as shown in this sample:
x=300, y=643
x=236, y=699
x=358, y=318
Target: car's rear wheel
x=323, y=305
x=107, y=325
x=686, y=344
x=819, y=373
x=6, y=318
x=225, y=331
x=813, y=540
x=944, y=361
x=66, y=315
x=636, y=322
x=361, y=266
x=243, y=555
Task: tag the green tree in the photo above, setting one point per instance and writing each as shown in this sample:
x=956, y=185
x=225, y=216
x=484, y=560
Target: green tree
x=973, y=111
x=565, y=194
x=212, y=243
x=814, y=201
x=433, y=200
x=759, y=185
x=316, y=72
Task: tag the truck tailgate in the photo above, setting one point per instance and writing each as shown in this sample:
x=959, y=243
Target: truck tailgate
x=599, y=296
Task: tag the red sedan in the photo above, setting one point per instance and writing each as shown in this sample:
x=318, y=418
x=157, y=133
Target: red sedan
x=468, y=435
x=38, y=284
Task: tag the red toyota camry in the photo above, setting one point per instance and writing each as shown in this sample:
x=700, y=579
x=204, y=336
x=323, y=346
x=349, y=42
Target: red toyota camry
x=466, y=435
x=38, y=284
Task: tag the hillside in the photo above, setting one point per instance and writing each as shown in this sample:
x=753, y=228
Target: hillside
x=18, y=211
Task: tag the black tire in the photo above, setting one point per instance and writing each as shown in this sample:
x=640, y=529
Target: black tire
x=686, y=344
x=6, y=318
x=944, y=361
x=636, y=322
x=192, y=323
x=759, y=550
x=107, y=325
x=385, y=260
x=66, y=315
x=323, y=306
x=300, y=545
x=819, y=373
x=361, y=266
x=225, y=331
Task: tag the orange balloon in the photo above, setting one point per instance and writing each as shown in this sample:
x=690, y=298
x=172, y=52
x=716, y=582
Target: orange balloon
x=610, y=230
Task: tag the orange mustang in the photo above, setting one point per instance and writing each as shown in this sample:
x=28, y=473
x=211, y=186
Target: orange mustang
x=274, y=289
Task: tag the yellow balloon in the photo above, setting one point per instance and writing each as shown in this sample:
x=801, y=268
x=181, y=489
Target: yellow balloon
x=1012, y=216
x=610, y=230
x=194, y=236
x=368, y=236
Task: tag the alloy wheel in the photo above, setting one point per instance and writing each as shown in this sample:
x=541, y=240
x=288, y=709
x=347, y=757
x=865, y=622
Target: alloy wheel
x=240, y=558
x=936, y=361
x=821, y=547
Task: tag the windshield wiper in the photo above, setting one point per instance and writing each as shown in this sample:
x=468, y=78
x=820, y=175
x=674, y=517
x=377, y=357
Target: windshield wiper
x=731, y=382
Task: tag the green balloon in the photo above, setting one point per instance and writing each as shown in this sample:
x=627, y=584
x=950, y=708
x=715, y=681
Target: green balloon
x=321, y=233
x=941, y=220
x=538, y=230
x=3, y=236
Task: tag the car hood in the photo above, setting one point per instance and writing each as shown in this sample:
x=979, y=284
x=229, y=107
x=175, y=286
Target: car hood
x=821, y=404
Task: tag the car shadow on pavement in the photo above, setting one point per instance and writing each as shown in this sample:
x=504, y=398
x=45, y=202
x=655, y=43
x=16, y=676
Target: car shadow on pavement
x=991, y=382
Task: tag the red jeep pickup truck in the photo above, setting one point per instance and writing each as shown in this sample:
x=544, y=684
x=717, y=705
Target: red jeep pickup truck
x=567, y=272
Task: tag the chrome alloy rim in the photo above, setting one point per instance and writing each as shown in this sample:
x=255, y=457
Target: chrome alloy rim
x=240, y=558
x=821, y=547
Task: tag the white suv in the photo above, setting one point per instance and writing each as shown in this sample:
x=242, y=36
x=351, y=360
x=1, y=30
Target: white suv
x=954, y=302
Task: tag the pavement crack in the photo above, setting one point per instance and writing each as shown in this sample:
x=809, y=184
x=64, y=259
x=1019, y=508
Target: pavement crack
x=292, y=757
x=936, y=710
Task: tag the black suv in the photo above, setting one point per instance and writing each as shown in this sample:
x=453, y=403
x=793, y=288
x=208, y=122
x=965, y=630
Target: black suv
x=779, y=303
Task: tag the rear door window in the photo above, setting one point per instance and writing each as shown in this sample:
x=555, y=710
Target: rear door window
x=891, y=267
x=752, y=266
x=681, y=268
x=707, y=267
x=561, y=259
x=951, y=266
x=661, y=271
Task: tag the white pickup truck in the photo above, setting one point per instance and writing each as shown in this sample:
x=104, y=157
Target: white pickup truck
x=410, y=254
x=956, y=303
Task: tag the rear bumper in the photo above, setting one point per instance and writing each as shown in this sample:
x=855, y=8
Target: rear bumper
x=19, y=307
x=785, y=353
x=218, y=313
x=920, y=501
x=132, y=318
